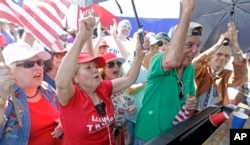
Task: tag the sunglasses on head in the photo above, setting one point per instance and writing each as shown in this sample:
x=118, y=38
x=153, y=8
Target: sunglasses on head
x=112, y=64
x=30, y=63
x=126, y=27
x=100, y=108
x=181, y=93
x=59, y=55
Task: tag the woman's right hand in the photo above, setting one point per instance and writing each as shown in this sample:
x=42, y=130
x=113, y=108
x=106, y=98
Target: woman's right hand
x=6, y=80
x=87, y=23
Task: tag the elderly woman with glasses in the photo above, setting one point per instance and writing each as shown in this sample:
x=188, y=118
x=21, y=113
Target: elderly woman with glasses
x=87, y=112
x=36, y=101
x=123, y=103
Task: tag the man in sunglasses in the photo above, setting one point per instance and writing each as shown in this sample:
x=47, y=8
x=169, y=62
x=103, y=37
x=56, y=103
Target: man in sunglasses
x=211, y=76
x=165, y=39
x=170, y=84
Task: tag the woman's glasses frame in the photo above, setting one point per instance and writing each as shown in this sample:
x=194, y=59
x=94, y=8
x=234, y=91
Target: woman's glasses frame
x=111, y=64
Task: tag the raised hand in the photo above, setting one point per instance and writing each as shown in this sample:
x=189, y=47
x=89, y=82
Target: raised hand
x=140, y=49
x=87, y=23
x=188, y=4
x=233, y=33
x=6, y=80
x=113, y=29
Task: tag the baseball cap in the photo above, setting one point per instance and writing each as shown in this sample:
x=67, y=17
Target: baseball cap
x=20, y=51
x=84, y=58
x=162, y=36
x=194, y=29
x=153, y=41
x=111, y=57
x=103, y=43
x=3, y=40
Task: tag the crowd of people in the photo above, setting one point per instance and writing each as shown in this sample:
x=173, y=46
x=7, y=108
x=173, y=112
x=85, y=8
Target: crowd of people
x=103, y=88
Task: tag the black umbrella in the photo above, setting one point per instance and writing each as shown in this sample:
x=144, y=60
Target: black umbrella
x=214, y=16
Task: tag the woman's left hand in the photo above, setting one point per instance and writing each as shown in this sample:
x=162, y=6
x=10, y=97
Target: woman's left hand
x=58, y=130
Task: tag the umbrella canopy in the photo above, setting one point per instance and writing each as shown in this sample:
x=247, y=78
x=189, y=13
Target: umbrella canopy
x=214, y=16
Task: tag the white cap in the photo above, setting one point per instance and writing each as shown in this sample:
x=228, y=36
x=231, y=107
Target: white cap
x=21, y=51
x=153, y=41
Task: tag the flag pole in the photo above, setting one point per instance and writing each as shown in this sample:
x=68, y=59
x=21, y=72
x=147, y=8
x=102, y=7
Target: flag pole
x=12, y=95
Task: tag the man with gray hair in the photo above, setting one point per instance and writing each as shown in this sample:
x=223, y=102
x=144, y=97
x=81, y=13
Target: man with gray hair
x=212, y=78
x=170, y=84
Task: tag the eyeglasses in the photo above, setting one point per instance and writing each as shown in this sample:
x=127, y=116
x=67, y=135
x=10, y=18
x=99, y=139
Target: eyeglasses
x=59, y=55
x=100, y=108
x=181, y=93
x=30, y=63
x=112, y=64
x=165, y=42
x=126, y=27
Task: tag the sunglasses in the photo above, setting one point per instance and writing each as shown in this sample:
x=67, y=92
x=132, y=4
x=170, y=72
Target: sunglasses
x=126, y=27
x=112, y=64
x=181, y=93
x=30, y=63
x=100, y=108
x=59, y=55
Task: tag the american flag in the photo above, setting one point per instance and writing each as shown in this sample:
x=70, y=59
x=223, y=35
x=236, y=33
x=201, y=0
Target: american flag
x=42, y=18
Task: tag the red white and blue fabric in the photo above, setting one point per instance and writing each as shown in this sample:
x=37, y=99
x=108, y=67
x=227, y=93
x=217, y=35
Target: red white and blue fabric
x=182, y=115
x=42, y=18
x=155, y=16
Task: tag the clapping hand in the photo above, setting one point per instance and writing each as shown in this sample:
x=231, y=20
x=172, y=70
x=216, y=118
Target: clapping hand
x=6, y=80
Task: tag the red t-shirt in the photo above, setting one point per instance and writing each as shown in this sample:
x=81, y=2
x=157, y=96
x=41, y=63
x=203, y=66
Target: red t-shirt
x=43, y=116
x=81, y=123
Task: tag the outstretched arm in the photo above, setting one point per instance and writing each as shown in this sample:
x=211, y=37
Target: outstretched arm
x=64, y=85
x=174, y=54
x=127, y=80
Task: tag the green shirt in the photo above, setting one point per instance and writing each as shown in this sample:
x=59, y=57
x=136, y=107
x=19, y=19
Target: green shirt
x=161, y=100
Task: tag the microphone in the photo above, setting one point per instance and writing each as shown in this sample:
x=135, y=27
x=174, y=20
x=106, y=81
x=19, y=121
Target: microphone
x=226, y=42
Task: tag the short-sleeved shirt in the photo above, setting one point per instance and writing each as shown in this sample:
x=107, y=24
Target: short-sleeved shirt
x=161, y=100
x=81, y=122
